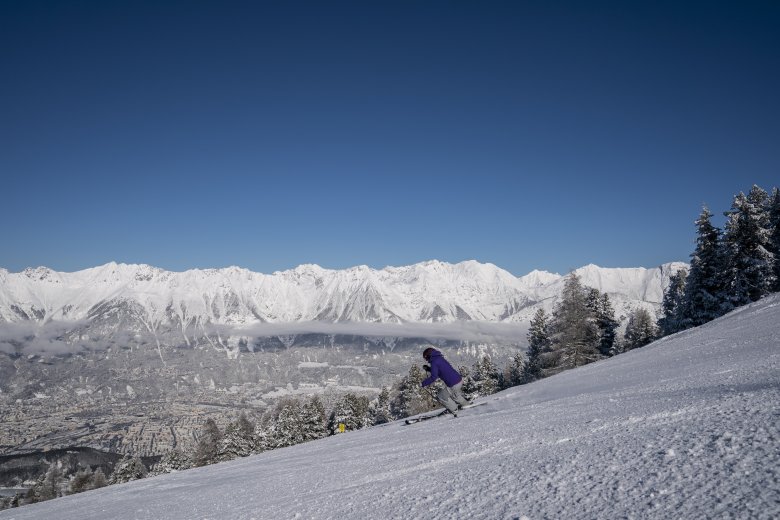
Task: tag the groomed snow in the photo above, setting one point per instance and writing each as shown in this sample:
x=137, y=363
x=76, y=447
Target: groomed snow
x=688, y=427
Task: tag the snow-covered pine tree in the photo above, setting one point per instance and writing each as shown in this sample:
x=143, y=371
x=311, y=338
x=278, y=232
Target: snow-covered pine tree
x=313, y=419
x=129, y=468
x=605, y=320
x=640, y=330
x=673, y=305
x=286, y=429
x=172, y=461
x=351, y=410
x=412, y=399
x=238, y=440
x=515, y=370
x=380, y=407
x=705, y=296
x=485, y=376
x=468, y=386
x=539, y=343
x=575, y=333
x=750, y=263
x=208, y=444
x=339, y=415
x=263, y=436
x=774, y=234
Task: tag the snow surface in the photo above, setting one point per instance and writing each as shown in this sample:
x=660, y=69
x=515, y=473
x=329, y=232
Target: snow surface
x=688, y=427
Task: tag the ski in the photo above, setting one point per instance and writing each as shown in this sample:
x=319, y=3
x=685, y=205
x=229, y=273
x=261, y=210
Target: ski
x=421, y=418
x=426, y=417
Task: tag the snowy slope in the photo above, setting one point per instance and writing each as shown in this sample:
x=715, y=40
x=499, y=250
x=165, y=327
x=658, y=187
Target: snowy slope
x=687, y=427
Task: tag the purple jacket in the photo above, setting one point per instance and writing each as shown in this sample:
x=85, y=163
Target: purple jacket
x=440, y=368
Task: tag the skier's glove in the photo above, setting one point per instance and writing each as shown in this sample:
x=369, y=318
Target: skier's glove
x=427, y=368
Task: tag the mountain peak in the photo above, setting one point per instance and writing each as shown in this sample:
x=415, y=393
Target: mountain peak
x=537, y=278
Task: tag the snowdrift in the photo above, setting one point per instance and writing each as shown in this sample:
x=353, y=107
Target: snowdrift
x=687, y=427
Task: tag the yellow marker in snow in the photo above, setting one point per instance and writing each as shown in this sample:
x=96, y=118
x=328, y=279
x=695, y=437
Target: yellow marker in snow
x=342, y=427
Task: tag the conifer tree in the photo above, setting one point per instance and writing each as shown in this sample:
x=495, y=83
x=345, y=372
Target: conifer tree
x=604, y=315
x=353, y=411
x=129, y=468
x=485, y=376
x=640, y=330
x=705, y=297
x=673, y=305
x=575, y=334
x=380, y=407
x=515, y=371
x=238, y=440
x=773, y=212
x=750, y=263
x=263, y=436
x=539, y=343
x=341, y=414
x=172, y=461
x=468, y=384
x=313, y=419
x=208, y=444
x=286, y=429
x=412, y=398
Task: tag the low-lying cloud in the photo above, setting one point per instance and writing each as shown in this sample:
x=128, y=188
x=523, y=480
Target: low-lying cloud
x=38, y=338
x=477, y=331
x=51, y=338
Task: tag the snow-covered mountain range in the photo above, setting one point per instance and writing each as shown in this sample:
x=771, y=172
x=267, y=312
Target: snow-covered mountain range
x=185, y=307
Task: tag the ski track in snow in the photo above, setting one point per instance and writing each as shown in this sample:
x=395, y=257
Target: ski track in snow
x=687, y=427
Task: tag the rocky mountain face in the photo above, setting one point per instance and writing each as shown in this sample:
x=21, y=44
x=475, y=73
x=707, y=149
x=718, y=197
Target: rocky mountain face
x=132, y=359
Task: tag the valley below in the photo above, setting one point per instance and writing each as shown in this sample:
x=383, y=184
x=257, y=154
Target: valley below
x=127, y=401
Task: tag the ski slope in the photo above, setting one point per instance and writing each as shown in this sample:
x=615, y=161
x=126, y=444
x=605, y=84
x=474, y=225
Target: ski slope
x=688, y=427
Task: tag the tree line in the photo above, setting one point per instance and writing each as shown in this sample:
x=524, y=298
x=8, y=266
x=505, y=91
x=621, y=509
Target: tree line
x=581, y=329
x=729, y=267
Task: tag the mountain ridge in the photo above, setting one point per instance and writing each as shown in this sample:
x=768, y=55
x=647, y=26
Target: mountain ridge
x=431, y=291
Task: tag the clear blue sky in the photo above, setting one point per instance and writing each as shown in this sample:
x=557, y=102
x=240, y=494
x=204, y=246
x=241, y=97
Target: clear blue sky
x=533, y=135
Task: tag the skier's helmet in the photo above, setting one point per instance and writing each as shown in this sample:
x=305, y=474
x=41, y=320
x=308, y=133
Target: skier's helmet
x=427, y=353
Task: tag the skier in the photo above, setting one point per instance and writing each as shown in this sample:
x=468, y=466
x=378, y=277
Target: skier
x=451, y=396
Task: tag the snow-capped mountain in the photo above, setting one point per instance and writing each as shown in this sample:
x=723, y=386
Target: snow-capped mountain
x=180, y=307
